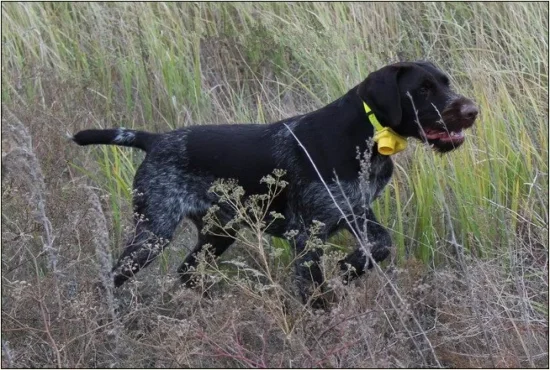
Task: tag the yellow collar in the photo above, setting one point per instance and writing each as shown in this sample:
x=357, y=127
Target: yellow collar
x=389, y=142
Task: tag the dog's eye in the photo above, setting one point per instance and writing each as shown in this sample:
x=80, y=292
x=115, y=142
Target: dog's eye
x=445, y=80
x=426, y=88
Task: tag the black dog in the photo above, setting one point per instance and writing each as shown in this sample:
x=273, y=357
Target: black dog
x=412, y=99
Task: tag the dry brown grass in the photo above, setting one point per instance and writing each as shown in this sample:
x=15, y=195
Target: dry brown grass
x=61, y=224
x=59, y=319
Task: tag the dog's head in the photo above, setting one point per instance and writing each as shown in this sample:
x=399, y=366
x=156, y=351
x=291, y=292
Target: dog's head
x=416, y=100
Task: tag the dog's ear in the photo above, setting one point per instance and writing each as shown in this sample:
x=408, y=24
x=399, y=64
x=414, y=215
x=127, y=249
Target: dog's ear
x=380, y=90
x=425, y=63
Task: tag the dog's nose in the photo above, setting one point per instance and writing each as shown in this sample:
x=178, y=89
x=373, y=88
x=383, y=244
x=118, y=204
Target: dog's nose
x=469, y=111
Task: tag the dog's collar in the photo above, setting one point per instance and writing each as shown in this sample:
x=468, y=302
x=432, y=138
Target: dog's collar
x=389, y=142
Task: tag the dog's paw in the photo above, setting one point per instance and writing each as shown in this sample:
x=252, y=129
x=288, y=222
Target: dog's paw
x=320, y=303
x=189, y=280
x=347, y=271
x=324, y=298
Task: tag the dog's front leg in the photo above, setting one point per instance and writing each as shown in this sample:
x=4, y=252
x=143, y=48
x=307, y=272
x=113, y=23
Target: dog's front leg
x=376, y=240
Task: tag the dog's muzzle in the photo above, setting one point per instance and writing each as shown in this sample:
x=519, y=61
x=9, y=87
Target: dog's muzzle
x=459, y=115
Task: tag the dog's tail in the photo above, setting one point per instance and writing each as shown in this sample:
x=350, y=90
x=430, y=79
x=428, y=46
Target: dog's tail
x=120, y=136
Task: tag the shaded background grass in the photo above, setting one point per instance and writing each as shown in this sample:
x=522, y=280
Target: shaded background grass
x=69, y=66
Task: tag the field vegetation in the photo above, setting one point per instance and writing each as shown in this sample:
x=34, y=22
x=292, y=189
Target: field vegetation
x=468, y=282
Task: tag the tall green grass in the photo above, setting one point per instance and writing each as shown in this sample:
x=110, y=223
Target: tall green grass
x=164, y=65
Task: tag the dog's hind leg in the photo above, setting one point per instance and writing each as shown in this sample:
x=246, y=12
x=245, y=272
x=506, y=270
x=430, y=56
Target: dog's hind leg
x=376, y=237
x=157, y=214
x=218, y=241
x=140, y=251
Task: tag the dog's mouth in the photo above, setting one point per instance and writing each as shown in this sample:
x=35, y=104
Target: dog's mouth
x=444, y=136
x=448, y=133
x=443, y=139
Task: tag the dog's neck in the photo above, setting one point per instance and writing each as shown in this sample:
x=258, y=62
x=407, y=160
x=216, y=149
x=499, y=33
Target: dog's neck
x=343, y=121
x=388, y=142
x=346, y=110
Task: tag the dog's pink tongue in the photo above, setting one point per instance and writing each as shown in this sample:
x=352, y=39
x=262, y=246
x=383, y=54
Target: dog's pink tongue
x=436, y=134
x=444, y=135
